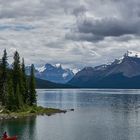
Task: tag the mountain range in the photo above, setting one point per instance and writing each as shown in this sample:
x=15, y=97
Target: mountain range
x=121, y=73
x=43, y=84
x=53, y=73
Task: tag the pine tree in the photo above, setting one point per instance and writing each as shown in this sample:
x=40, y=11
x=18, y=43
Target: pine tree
x=19, y=100
x=17, y=80
x=1, y=82
x=11, y=98
x=15, y=89
x=25, y=85
x=4, y=79
x=32, y=91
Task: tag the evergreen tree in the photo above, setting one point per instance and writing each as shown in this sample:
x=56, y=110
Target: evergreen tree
x=17, y=80
x=1, y=82
x=15, y=89
x=25, y=85
x=19, y=100
x=11, y=98
x=4, y=79
x=32, y=91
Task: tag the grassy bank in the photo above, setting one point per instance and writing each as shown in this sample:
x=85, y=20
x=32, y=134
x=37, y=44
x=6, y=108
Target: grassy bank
x=28, y=111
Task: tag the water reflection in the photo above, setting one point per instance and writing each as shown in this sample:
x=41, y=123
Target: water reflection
x=99, y=115
x=76, y=99
x=58, y=99
x=23, y=128
x=113, y=115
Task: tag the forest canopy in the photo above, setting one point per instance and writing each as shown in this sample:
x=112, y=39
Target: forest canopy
x=16, y=88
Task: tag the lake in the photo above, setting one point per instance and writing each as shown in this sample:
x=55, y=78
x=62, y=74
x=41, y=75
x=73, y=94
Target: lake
x=100, y=114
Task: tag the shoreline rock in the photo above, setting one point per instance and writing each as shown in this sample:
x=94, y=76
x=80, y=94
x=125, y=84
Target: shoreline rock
x=35, y=111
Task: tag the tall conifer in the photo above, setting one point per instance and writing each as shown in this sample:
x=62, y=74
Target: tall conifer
x=17, y=80
x=11, y=98
x=4, y=77
x=25, y=85
x=32, y=90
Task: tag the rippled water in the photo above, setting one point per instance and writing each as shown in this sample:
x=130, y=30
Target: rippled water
x=99, y=115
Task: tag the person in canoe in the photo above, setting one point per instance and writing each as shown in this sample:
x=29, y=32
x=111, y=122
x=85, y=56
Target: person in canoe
x=5, y=137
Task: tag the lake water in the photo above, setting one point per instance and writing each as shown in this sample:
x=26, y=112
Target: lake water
x=98, y=115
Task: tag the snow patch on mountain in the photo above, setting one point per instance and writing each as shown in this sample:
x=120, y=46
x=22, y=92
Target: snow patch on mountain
x=130, y=53
x=54, y=73
x=101, y=67
x=41, y=69
x=75, y=70
x=120, y=60
x=65, y=75
x=120, y=71
x=133, y=54
x=58, y=65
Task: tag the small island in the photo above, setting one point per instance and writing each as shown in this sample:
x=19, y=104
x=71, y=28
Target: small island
x=17, y=91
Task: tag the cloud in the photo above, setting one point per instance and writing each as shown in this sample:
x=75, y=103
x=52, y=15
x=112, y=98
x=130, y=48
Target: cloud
x=109, y=18
x=109, y=27
x=18, y=27
x=79, y=11
x=76, y=33
x=79, y=36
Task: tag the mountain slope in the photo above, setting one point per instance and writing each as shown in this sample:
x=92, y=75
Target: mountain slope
x=40, y=84
x=53, y=73
x=122, y=73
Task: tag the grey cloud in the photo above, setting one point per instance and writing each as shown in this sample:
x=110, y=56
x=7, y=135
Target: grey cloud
x=96, y=30
x=26, y=8
x=110, y=19
x=39, y=8
x=79, y=36
x=79, y=10
x=124, y=38
x=109, y=27
x=72, y=32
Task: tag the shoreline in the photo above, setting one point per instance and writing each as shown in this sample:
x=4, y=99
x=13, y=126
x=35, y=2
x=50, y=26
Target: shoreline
x=31, y=111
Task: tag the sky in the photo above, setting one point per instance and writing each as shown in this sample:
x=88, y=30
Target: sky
x=75, y=33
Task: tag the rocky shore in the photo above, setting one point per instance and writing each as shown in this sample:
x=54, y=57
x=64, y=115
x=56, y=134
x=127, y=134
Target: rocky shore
x=30, y=111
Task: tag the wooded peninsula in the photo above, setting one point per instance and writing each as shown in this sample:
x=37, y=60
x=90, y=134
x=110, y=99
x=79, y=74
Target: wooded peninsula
x=18, y=96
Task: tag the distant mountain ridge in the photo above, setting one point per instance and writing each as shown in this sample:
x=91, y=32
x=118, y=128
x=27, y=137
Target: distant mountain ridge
x=44, y=84
x=54, y=73
x=122, y=73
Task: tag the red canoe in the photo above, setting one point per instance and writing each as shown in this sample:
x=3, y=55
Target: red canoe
x=11, y=138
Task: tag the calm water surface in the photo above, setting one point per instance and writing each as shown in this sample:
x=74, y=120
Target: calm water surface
x=99, y=115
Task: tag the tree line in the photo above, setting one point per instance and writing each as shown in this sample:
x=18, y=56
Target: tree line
x=16, y=88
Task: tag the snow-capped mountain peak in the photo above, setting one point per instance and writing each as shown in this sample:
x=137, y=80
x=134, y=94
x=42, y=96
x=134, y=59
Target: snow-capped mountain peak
x=54, y=73
x=121, y=73
x=58, y=65
x=132, y=54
